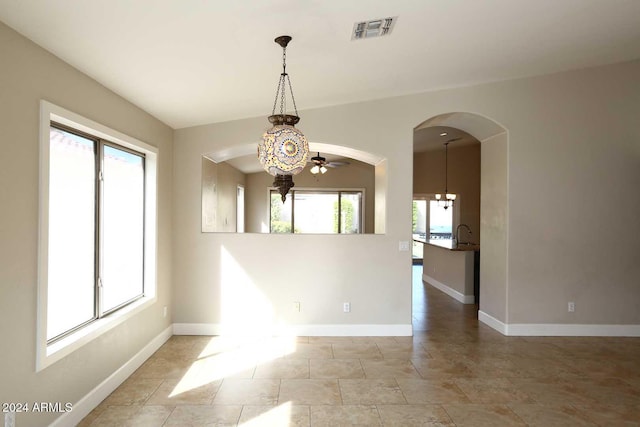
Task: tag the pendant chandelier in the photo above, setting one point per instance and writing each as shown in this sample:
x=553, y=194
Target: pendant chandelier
x=449, y=198
x=284, y=150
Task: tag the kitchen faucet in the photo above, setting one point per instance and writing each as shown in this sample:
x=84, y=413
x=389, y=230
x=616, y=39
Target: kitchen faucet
x=458, y=232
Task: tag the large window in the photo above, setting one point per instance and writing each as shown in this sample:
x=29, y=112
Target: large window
x=430, y=220
x=317, y=212
x=96, y=229
x=97, y=234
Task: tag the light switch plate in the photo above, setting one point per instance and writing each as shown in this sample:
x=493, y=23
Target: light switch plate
x=403, y=246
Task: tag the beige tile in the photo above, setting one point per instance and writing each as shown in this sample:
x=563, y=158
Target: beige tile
x=283, y=368
x=180, y=392
x=474, y=415
x=552, y=391
x=607, y=391
x=537, y=415
x=418, y=391
x=248, y=392
x=371, y=392
x=116, y=416
x=347, y=415
x=336, y=368
x=134, y=391
x=403, y=351
x=280, y=415
x=163, y=368
x=97, y=411
x=491, y=390
x=612, y=415
x=197, y=416
x=309, y=392
x=414, y=415
x=224, y=365
x=150, y=416
x=389, y=368
x=311, y=351
x=441, y=368
x=356, y=351
x=330, y=340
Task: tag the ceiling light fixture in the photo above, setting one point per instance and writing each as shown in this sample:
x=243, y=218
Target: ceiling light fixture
x=318, y=164
x=283, y=150
x=449, y=198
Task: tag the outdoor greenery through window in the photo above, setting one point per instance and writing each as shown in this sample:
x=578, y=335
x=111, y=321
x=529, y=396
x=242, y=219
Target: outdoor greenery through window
x=317, y=212
x=96, y=229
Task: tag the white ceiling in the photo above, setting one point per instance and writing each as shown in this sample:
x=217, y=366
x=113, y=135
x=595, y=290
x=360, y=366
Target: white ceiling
x=191, y=62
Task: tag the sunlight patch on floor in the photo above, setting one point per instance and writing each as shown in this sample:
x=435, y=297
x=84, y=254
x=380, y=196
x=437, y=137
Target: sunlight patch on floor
x=278, y=416
x=225, y=357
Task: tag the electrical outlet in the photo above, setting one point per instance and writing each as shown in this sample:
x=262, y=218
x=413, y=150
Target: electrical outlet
x=296, y=306
x=403, y=246
x=346, y=307
x=571, y=307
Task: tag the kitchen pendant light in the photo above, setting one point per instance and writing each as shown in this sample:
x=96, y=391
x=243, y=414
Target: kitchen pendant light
x=449, y=198
x=283, y=150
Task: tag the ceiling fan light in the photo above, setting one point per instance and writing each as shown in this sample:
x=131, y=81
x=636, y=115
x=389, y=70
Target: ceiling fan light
x=323, y=169
x=315, y=169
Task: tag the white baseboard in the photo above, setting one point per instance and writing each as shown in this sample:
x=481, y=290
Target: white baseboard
x=401, y=330
x=558, y=329
x=491, y=321
x=85, y=405
x=465, y=299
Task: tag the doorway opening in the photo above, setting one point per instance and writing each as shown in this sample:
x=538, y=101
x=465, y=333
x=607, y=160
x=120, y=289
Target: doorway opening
x=477, y=173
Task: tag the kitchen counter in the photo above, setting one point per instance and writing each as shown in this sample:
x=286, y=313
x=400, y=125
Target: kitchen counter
x=449, y=244
x=452, y=268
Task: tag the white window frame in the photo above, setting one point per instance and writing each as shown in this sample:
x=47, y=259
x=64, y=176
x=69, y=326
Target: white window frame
x=47, y=354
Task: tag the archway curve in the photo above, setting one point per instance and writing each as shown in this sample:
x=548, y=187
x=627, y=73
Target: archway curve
x=240, y=150
x=477, y=125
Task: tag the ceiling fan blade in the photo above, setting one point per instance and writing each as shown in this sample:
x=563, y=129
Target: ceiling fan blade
x=337, y=163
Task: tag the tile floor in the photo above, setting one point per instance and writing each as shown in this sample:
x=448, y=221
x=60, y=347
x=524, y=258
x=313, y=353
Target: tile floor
x=454, y=371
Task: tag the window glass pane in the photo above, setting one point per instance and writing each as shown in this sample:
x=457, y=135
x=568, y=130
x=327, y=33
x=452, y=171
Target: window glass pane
x=71, y=258
x=420, y=219
x=350, y=211
x=123, y=227
x=440, y=221
x=315, y=212
x=240, y=210
x=280, y=213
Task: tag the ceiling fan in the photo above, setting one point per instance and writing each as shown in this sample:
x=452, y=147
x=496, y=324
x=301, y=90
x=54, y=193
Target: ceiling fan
x=320, y=164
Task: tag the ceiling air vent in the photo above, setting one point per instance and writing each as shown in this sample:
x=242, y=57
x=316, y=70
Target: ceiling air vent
x=374, y=28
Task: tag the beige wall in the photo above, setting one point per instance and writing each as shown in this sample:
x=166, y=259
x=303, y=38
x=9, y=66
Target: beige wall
x=279, y=270
x=571, y=154
x=494, y=227
x=463, y=180
x=356, y=175
x=29, y=74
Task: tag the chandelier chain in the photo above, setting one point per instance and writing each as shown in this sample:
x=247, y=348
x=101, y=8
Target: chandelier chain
x=275, y=101
x=292, y=97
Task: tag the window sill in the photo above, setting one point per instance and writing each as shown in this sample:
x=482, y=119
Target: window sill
x=49, y=354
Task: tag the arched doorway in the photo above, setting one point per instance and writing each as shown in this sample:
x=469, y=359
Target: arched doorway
x=492, y=139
